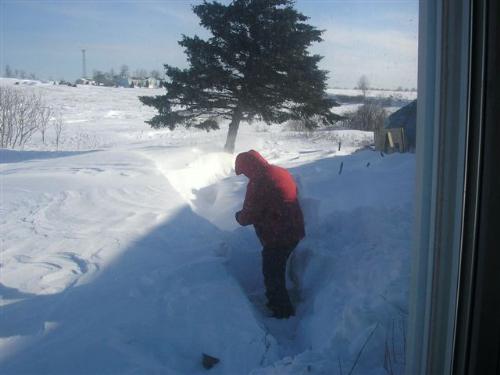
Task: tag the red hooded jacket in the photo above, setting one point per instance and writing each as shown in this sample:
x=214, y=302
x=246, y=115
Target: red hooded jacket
x=271, y=202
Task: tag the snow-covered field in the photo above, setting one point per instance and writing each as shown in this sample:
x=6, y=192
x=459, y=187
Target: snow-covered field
x=120, y=253
x=407, y=95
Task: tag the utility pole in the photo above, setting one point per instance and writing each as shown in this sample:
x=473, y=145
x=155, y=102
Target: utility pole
x=84, y=64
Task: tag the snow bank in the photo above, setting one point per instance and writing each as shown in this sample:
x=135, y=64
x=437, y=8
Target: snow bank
x=121, y=254
x=203, y=171
x=350, y=275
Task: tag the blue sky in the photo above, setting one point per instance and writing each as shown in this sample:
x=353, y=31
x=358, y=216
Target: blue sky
x=377, y=38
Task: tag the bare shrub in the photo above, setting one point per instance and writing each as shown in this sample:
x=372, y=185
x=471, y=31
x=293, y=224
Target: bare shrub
x=363, y=85
x=23, y=112
x=81, y=140
x=305, y=126
x=368, y=117
x=58, y=126
x=45, y=116
x=299, y=127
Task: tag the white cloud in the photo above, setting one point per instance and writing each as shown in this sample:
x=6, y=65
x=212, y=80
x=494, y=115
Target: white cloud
x=387, y=57
x=181, y=13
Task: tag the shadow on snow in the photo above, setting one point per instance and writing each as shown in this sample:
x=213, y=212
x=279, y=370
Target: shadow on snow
x=15, y=156
x=121, y=318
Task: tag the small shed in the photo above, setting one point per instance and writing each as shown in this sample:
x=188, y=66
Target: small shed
x=153, y=83
x=150, y=82
x=399, y=131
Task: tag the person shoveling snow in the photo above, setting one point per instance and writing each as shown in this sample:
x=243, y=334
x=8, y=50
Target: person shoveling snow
x=271, y=205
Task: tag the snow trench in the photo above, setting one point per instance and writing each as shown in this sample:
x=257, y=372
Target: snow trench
x=348, y=278
x=192, y=284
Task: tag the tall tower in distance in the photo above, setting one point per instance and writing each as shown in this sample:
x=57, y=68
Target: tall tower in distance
x=84, y=65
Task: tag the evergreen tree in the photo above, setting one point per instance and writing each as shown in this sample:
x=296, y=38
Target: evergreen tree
x=256, y=65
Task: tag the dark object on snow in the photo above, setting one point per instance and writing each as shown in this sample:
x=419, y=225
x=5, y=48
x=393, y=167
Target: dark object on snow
x=367, y=164
x=399, y=131
x=272, y=207
x=341, y=167
x=208, y=361
x=340, y=144
x=381, y=154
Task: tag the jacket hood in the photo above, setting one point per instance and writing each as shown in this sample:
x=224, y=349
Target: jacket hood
x=250, y=163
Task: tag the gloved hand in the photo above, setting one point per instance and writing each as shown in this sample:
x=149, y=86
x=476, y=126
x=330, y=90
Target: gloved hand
x=236, y=216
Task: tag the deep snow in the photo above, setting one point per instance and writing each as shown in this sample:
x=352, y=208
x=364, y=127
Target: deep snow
x=120, y=253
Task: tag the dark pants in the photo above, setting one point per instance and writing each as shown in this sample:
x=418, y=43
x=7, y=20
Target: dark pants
x=274, y=268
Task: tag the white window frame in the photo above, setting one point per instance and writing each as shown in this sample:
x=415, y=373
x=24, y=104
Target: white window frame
x=442, y=128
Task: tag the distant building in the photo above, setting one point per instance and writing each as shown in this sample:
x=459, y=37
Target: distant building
x=136, y=82
x=85, y=81
x=153, y=83
x=399, y=131
x=122, y=82
x=150, y=82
